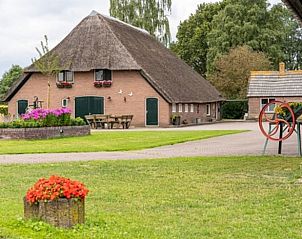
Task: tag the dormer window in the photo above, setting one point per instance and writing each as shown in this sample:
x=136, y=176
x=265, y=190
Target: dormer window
x=102, y=78
x=65, y=76
x=102, y=75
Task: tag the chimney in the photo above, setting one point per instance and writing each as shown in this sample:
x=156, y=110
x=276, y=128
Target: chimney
x=282, y=68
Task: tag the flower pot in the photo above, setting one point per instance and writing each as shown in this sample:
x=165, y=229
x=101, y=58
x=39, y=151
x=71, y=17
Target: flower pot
x=61, y=212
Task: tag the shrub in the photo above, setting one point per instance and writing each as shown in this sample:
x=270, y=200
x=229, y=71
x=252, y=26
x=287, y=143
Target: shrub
x=234, y=109
x=4, y=109
x=44, y=118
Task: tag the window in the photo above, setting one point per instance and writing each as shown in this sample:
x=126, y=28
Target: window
x=192, y=108
x=179, y=108
x=186, y=108
x=65, y=76
x=173, y=108
x=271, y=108
x=65, y=103
x=208, y=109
x=102, y=75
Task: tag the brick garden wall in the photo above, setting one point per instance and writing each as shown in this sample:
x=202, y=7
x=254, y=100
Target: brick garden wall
x=44, y=133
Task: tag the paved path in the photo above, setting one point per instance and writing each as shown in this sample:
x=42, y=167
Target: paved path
x=247, y=143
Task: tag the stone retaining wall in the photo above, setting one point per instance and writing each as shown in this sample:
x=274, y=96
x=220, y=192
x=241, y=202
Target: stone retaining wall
x=44, y=133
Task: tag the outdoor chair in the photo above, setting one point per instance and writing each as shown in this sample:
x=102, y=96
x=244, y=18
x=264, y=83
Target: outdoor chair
x=126, y=121
x=114, y=120
x=90, y=119
x=101, y=120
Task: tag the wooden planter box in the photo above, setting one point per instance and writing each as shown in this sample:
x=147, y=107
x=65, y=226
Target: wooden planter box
x=61, y=212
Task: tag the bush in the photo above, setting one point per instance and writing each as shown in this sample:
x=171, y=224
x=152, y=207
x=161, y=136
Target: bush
x=234, y=109
x=3, y=109
x=44, y=118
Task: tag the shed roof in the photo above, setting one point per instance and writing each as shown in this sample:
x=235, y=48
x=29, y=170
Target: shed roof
x=101, y=42
x=274, y=84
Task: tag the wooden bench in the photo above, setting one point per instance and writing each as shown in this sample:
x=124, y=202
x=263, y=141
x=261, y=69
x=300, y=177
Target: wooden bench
x=126, y=121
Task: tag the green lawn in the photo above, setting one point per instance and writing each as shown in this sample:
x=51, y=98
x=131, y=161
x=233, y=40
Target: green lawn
x=243, y=197
x=107, y=141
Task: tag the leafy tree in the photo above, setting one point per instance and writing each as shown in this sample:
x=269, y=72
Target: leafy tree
x=48, y=64
x=192, y=44
x=233, y=70
x=215, y=28
x=244, y=22
x=150, y=15
x=8, y=78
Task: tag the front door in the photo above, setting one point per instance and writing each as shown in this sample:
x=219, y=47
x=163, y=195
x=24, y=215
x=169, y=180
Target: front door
x=152, y=111
x=88, y=105
x=22, y=106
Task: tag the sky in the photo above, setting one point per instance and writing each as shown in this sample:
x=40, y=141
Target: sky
x=24, y=23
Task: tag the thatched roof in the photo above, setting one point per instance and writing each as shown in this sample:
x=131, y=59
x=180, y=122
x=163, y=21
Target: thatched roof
x=101, y=42
x=296, y=7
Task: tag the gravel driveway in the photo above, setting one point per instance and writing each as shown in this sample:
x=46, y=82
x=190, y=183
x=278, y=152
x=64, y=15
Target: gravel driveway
x=247, y=143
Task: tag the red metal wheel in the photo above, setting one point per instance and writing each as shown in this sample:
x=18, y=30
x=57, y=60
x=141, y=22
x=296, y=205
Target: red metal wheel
x=276, y=122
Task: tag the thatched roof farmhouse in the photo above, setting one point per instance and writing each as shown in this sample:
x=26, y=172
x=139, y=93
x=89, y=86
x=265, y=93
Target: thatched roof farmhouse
x=137, y=63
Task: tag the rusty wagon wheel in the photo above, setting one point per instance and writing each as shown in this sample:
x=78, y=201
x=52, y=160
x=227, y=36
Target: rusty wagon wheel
x=276, y=123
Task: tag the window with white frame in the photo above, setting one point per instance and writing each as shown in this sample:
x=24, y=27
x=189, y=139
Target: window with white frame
x=173, y=108
x=65, y=103
x=65, y=76
x=186, y=108
x=102, y=75
x=208, y=109
x=179, y=108
x=264, y=101
x=192, y=108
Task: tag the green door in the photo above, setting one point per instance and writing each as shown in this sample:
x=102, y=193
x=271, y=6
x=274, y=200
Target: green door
x=22, y=106
x=152, y=111
x=89, y=105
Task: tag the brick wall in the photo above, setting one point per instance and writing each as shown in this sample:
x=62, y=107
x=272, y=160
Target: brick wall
x=44, y=133
x=254, y=104
x=199, y=114
x=127, y=81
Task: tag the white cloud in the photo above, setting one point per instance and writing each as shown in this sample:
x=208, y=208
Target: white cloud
x=24, y=23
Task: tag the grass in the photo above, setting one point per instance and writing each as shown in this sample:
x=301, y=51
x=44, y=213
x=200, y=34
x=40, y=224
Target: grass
x=107, y=141
x=242, y=197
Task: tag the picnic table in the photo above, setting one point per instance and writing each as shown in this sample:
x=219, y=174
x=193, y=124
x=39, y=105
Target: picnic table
x=109, y=121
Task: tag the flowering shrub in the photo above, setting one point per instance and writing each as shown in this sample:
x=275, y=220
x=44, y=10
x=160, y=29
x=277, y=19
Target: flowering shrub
x=56, y=187
x=57, y=117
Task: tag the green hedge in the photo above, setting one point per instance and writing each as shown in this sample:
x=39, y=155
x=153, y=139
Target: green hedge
x=234, y=109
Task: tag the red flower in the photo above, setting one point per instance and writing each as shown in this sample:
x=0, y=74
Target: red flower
x=56, y=187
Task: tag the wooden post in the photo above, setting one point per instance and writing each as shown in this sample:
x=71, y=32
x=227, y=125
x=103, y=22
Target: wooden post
x=280, y=136
x=48, y=95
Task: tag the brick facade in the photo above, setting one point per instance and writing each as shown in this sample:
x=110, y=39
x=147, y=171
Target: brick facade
x=114, y=102
x=255, y=104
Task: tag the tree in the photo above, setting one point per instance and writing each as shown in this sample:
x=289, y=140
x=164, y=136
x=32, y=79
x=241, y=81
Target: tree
x=244, y=22
x=150, y=15
x=215, y=28
x=291, y=43
x=48, y=64
x=8, y=78
x=192, y=45
x=233, y=70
